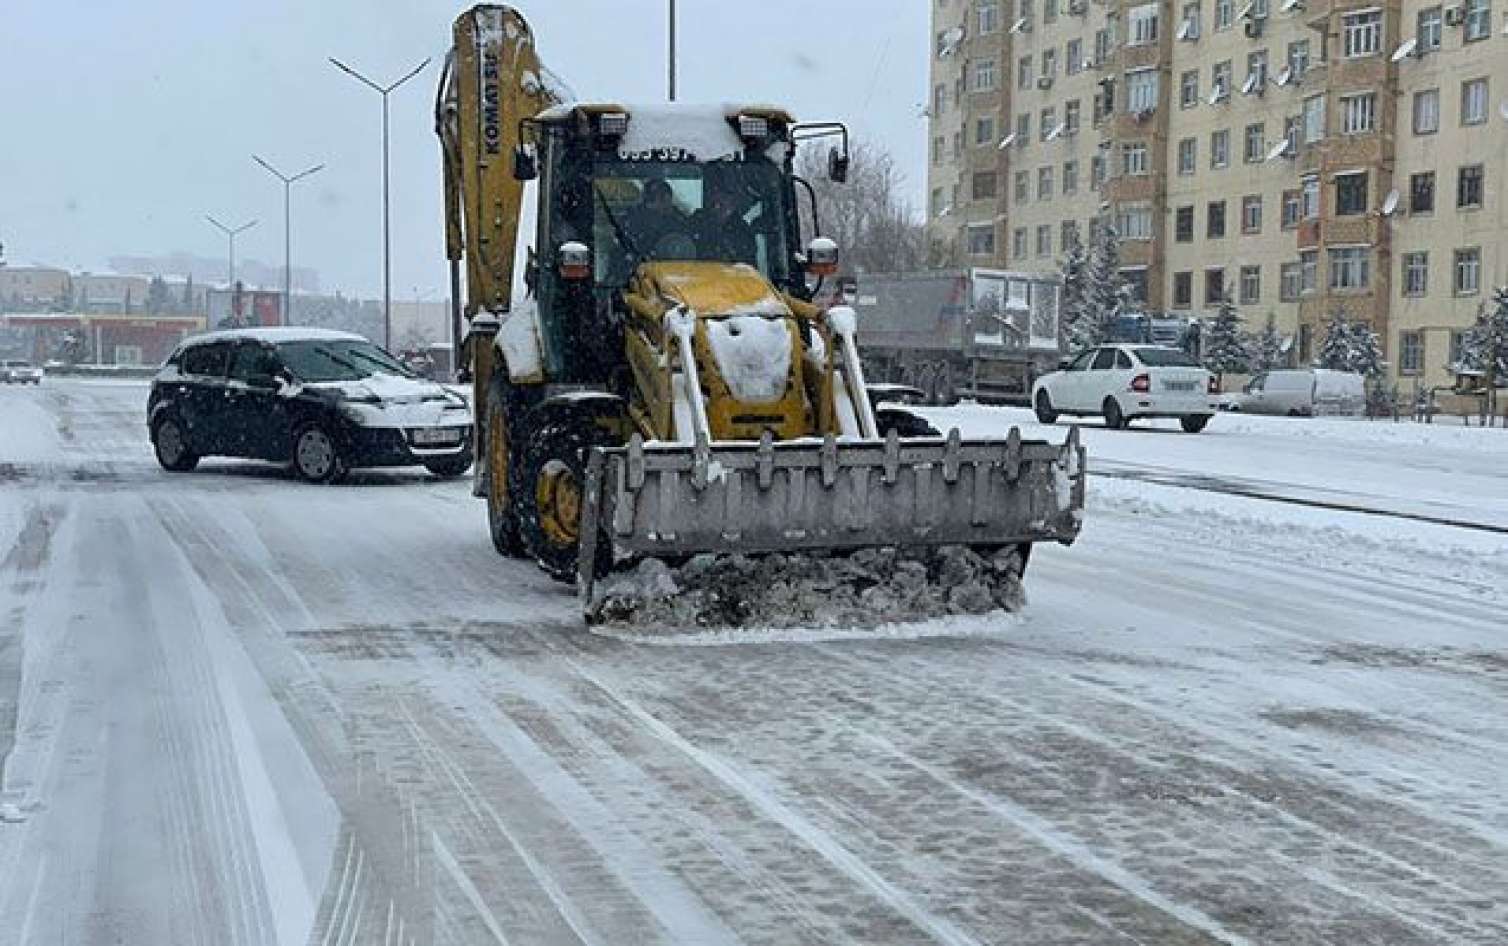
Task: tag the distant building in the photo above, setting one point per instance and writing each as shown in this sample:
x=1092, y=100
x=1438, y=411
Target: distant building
x=32, y=287
x=109, y=293
x=239, y=308
x=101, y=339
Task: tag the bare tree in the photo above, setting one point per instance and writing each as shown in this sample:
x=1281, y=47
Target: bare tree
x=874, y=225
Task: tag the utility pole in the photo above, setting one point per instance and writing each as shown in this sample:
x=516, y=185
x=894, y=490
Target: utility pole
x=387, y=243
x=230, y=233
x=287, y=232
x=672, y=50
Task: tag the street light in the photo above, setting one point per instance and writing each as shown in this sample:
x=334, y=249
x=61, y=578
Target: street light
x=672, y=50
x=231, y=232
x=387, y=243
x=287, y=232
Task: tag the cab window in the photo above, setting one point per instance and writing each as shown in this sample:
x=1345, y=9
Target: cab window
x=206, y=360
x=1105, y=359
x=1122, y=360
x=252, y=361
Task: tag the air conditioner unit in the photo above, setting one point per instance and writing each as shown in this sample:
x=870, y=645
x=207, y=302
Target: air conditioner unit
x=1455, y=16
x=1044, y=82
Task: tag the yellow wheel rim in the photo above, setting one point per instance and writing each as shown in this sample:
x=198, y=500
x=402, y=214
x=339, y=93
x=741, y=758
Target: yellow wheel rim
x=557, y=494
x=497, y=458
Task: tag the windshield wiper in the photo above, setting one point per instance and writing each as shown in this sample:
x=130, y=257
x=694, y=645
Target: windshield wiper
x=387, y=366
x=340, y=361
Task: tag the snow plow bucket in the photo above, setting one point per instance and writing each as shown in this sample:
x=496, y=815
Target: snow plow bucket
x=669, y=500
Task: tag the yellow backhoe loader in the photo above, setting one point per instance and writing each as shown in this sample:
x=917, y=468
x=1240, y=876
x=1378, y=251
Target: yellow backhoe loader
x=663, y=414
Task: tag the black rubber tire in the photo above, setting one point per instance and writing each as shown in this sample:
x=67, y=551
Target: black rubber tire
x=450, y=467
x=1115, y=419
x=1044, y=409
x=1193, y=423
x=903, y=422
x=562, y=439
x=186, y=459
x=1295, y=412
x=505, y=410
x=315, y=463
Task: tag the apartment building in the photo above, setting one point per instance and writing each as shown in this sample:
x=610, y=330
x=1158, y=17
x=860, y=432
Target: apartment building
x=1302, y=156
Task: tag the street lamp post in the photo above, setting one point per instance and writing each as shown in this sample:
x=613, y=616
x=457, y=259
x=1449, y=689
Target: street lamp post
x=672, y=50
x=387, y=245
x=230, y=233
x=287, y=232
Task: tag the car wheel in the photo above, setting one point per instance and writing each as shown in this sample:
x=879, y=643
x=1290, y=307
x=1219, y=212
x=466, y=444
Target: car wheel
x=903, y=422
x=1044, y=408
x=316, y=457
x=1193, y=423
x=170, y=443
x=552, y=489
x=1295, y=412
x=450, y=467
x=1115, y=419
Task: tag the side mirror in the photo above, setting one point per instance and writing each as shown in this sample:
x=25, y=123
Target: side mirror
x=837, y=166
x=263, y=380
x=822, y=257
x=524, y=166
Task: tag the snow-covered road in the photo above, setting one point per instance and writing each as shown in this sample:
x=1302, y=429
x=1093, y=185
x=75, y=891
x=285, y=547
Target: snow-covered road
x=236, y=709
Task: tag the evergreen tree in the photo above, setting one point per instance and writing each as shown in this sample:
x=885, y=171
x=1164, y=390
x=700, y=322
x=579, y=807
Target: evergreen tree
x=1104, y=294
x=1350, y=346
x=186, y=307
x=1268, y=348
x=158, y=302
x=1335, y=350
x=1072, y=304
x=1485, y=347
x=1366, y=350
x=1226, y=348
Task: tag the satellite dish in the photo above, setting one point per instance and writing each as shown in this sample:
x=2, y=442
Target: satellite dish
x=1007, y=141
x=1284, y=74
x=1405, y=49
x=1390, y=203
x=1278, y=150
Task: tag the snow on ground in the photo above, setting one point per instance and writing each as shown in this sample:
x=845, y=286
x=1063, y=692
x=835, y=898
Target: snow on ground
x=247, y=710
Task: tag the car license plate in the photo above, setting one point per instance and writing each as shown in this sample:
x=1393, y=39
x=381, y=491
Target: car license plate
x=436, y=436
x=1179, y=385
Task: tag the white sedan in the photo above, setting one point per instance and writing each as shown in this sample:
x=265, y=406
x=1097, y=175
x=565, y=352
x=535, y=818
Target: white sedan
x=1124, y=382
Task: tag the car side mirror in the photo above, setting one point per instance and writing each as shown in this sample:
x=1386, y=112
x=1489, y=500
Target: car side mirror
x=837, y=166
x=263, y=380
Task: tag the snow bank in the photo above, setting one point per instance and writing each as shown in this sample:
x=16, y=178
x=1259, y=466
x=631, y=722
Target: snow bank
x=753, y=354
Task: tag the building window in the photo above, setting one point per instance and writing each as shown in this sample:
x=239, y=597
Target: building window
x=1350, y=194
x=1358, y=113
x=1478, y=20
x=1291, y=133
x=1314, y=118
x=981, y=240
x=1070, y=177
x=1251, y=285
x=1047, y=121
x=1224, y=13
x=1309, y=271
x=937, y=201
x=1135, y=278
x=1310, y=206
x=1415, y=274
x=1071, y=118
x=1044, y=239
x=1134, y=222
x=957, y=145
x=1187, y=155
x=1183, y=290
x=1188, y=89
x=1350, y=267
x=1219, y=149
x=1256, y=143
x=1141, y=90
x=1141, y=25
x=1023, y=187
x=1067, y=230
x=989, y=16
x=1024, y=73
x=1074, y=53
x=1134, y=158
x=1474, y=101
x=1044, y=183
x=1214, y=220
x=1023, y=130
x=1468, y=272
x=984, y=185
x=984, y=75
x=1018, y=243
x=1220, y=74
x=1096, y=171
x=1101, y=45
x=1427, y=112
x=937, y=150
x=1183, y=224
x=1298, y=59
x=1251, y=213
x=1457, y=348
x=1291, y=209
x=984, y=131
x=1410, y=352
x=1049, y=11
x=1049, y=63
x=1422, y=193
x=1256, y=71
x=1469, y=186
x=1429, y=29
x=1362, y=33
x=1188, y=28
x=1288, y=282
x=1214, y=286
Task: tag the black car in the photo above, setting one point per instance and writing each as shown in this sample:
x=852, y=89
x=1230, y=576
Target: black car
x=324, y=401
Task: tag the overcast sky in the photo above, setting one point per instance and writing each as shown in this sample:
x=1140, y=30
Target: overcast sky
x=123, y=122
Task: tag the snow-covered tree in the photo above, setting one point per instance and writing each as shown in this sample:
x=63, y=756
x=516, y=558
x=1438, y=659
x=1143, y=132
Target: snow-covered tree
x=1226, y=347
x=1485, y=346
x=1350, y=346
x=1104, y=295
x=1071, y=304
x=1267, y=349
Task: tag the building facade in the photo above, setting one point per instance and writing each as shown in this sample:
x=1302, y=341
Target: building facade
x=1303, y=156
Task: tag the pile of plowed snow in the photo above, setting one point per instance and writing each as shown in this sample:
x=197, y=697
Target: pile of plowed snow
x=862, y=589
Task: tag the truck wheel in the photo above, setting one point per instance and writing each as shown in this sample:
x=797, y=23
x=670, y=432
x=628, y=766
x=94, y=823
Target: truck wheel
x=552, y=489
x=501, y=473
x=904, y=423
x=1044, y=409
x=1114, y=418
x=1193, y=423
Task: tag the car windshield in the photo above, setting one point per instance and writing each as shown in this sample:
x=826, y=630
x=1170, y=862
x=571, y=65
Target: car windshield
x=1165, y=358
x=316, y=360
x=726, y=211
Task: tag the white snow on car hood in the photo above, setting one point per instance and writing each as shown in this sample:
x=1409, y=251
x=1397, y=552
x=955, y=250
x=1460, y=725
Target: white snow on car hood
x=405, y=402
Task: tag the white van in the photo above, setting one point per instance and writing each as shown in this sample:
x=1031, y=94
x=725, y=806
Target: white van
x=1303, y=392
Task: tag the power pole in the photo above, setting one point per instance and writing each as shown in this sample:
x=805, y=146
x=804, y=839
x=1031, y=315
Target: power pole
x=672, y=50
x=287, y=232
